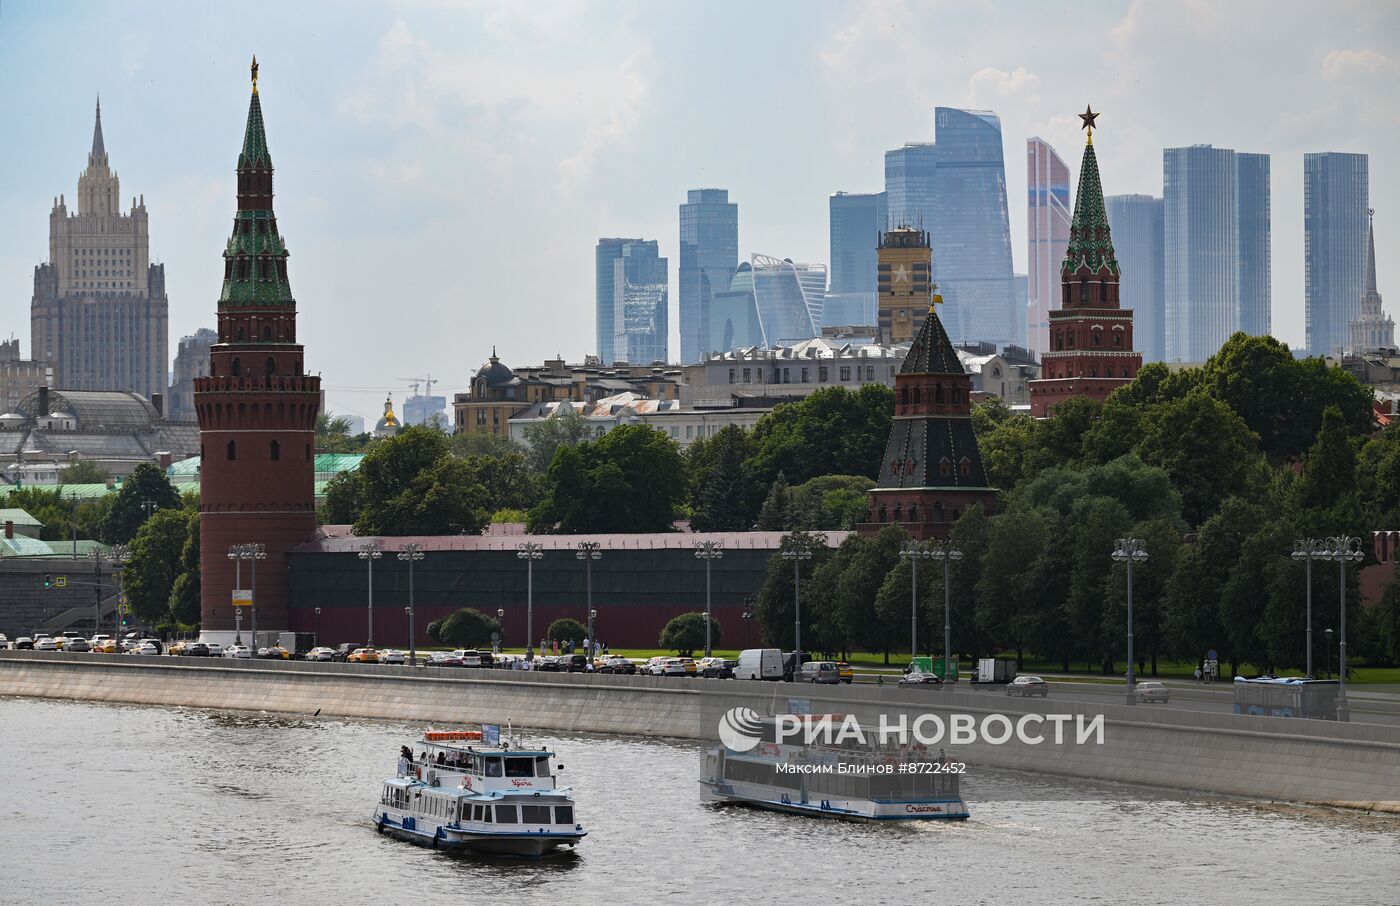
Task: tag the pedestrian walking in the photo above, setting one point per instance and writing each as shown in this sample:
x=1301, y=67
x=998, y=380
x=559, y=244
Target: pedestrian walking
x=1198, y=675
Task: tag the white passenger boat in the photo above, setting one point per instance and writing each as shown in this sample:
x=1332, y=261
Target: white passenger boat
x=850, y=781
x=475, y=790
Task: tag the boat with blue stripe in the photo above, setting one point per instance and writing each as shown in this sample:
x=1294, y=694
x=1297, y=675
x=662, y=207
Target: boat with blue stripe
x=474, y=790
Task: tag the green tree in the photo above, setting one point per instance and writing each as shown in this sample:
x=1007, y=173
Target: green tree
x=629, y=480
x=777, y=514
x=434, y=630
x=833, y=431
x=1388, y=617
x=1162, y=538
x=1061, y=438
x=1329, y=472
x=484, y=443
x=509, y=481
x=566, y=629
x=410, y=484
x=776, y=607
x=1207, y=450
x=184, y=594
x=685, y=633
x=468, y=628
x=1010, y=450
x=84, y=471
x=1191, y=610
x=147, y=483
x=345, y=497
x=47, y=506
x=156, y=562
x=333, y=435
x=724, y=495
x=843, y=592
x=565, y=428
x=833, y=502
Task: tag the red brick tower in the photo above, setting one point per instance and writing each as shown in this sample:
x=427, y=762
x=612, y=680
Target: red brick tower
x=932, y=469
x=1090, y=350
x=257, y=409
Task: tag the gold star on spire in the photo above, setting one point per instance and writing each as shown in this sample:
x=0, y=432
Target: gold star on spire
x=1088, y=116
x=254, y=70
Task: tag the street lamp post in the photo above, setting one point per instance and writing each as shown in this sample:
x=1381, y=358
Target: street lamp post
x=797, y=548
x=411, y=552
x=119, y=555
x=253, y=553
x=233, y=554
x=1128, y=551
x=1343, y=548
x=369, y=553
x=318, y=627
x=708, y=551
x=530, y=551
x=747, y=617
x=1328, y=632
x=949, y=553
x=96, y=555
x=1308, y=549
x=500, y=619
x=588, y=552
x=914, y=552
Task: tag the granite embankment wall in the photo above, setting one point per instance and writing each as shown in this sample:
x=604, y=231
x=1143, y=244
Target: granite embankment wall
x=1353, y=765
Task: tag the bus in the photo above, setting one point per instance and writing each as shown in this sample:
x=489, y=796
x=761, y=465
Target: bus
x=1288, y=696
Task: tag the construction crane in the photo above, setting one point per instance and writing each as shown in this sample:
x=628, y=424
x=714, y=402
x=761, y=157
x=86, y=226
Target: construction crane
x=426, y=382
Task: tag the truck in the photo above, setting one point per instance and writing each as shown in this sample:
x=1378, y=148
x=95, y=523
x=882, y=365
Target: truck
x=995, y=670
x=760, y=664
x=948, y=674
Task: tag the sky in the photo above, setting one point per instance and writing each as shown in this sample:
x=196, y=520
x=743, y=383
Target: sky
x=444, y=168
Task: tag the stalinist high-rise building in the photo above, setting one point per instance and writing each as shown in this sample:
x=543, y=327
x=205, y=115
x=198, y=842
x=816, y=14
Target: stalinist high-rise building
x=99, y=314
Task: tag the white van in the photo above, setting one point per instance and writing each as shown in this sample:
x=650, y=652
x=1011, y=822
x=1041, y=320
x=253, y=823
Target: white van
x=760, y=664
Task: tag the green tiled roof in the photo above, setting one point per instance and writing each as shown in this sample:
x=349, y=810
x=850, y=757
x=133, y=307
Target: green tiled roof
x=254, y=151
x=932, y=352
x=18, y=517
x=335, y=463
x=1089, y=239
x=187, y=466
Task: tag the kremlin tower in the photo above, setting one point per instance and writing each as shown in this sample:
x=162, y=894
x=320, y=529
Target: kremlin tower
x=1090, y=349
x=257, y=411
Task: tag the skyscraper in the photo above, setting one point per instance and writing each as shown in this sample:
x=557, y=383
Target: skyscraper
x=604, y=323
x=639, y=304
x=955, y=189
x=1090, y=348
x=99, y=315
x=257, y=412
x=1215, y=229
x=1136, y=223
x=709, y=257
x=191, y=361
x=770, y=302
x=856, y=224
x=1336, y=196
x=1048, y=214
x=1372, y=328
x=906, y=291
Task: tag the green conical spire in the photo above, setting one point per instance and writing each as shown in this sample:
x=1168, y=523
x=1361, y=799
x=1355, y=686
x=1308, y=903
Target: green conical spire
x=932, y=352
x=254, y=153
x=1089, y=240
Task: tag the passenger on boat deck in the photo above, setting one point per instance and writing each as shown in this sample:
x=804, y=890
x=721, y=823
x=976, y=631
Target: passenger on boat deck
x=406, y=752
x=441, y=759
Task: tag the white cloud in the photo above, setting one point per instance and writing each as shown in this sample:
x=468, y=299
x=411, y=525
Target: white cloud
x=989, y=84
x=1340, y=64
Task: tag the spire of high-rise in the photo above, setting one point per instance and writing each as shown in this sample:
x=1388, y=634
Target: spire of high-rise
x=98, y=155
x=1371, y=252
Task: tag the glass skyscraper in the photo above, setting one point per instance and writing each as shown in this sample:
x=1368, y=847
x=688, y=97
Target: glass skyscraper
x=1048, y=216
x=770, y=302
x=955, y=188
x=1135, y=222
x=709, y=257
x=639, y=304
x=605, y=257
x=1336, y=195
x=856, y=224
x=1215, y=228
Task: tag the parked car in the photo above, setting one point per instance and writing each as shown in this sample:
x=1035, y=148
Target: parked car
x=76, y=643
x=469, y=657
x=819, y=672
x=363, y=656
x=196, y=649
x=238, y=651
x=321, y=654
x=653, y=667
x=792, y=663
x=916, y=678
x=617, y=665
x=345, y=649
x=1026, y=686
x=215, y=649
x=156, y=643
x=442, y=659
x=97, y=641
x=846, y=672
x=675, y=666
x=572, y=663
x=4, y=641
x=24, y=643
x=1151, y=691
x=146, y=647
x=274, y=653
x=390, y=656
x=45, y=643
x=177, y=648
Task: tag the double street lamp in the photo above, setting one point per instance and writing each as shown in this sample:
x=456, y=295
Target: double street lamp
x=914, y=552
x=252, y=553
x=530, y=551
x=119, y=555
x=369, y=553
x=1342, y=548
x=411, y=552
x=588, y=551
x=947, y=552
x=797, y=548
x=1130, y=551
x=1308, y=550
x=708, y=551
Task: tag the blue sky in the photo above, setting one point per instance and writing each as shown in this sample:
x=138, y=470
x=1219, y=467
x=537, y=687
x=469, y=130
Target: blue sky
x=445, y=168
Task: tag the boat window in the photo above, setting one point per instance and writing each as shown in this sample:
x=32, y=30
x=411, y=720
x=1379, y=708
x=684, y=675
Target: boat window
x=493, y=767
x=466, y=813
x=486, y=814
x=475, y=764
x=520, y=767
x=476, y=812
x=534, y=814
x=541, y=765
x=563, y=814
x=505, y=814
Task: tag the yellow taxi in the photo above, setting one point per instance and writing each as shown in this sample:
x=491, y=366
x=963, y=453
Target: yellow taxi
x=690, y=667
x=177, y=648
x=845, y=672
x=277, y=652
x=363, y=656
x=106, y=646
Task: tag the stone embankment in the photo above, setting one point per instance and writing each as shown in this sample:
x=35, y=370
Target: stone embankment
x=1349, y=765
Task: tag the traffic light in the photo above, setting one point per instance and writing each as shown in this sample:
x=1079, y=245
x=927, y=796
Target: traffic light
x=48, y=581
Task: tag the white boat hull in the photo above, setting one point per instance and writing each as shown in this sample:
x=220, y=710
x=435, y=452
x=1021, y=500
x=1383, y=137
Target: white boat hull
x=859, y=810
x=529, y=843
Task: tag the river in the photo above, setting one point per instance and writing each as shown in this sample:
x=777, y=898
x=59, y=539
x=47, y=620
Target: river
x=125, y=804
